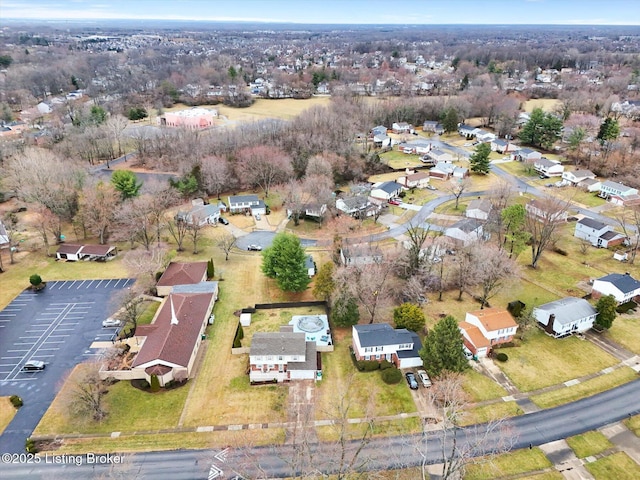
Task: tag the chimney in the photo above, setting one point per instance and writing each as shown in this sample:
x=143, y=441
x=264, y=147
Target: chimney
x=174, y=319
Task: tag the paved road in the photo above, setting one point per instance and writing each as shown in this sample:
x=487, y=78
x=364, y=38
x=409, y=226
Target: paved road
x=56, y=326
x=381, y=453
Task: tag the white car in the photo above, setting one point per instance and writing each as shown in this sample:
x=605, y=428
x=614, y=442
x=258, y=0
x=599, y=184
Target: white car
x=32, y=365
x=110, y=323
x=424, y=378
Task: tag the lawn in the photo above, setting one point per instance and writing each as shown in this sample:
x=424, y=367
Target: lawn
x=550, y=475
x=546, y=104
x=490, y=413
x=513, y=463
x=529, y=364
x=399, y=160
x=150, y=310
x=481, y=388
x=633, y=424
x=590, y=443
x=618, y=466
x=129, y=410
x=7, y=413
x=626, y=332
x=585, y=389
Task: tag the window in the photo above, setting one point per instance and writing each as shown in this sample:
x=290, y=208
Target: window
x=379, y=349
x=368, y=349
x=378, y=356
x=280, y=358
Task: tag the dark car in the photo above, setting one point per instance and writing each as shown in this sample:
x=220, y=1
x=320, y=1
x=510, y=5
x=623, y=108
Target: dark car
x=411, y=380
x=223, y=221
x=33, y=365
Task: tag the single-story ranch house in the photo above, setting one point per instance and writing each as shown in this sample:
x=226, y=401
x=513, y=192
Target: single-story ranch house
x=72, y=253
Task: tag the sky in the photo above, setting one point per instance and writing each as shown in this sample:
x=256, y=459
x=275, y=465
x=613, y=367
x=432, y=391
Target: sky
x=428, y=12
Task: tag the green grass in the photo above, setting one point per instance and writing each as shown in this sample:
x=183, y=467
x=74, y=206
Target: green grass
x=626, y=332
x=529, y=364
x=618, y=466
x=399, y=161
x=551, y=475
x=480, y=388
x=633, y=424
x=490, y=413
x=149, y=313
x=513, y=463
x=585, y=389
x=590, y=443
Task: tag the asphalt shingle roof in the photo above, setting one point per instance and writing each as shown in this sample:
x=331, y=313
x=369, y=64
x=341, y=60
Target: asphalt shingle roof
x=623, y=282
x=378, y=334
x=569, y=309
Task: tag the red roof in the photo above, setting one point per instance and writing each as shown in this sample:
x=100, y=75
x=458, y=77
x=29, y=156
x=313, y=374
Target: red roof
x=183, y=274
x=493, y=319
x=475, y=335
x=174, y=343
x=68, y=248
x=100, y=250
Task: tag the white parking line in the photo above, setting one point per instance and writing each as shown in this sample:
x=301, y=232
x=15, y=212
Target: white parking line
x=42, y=356
x=8, y=314
x=78, y=287
x=24, y=338
x=16, y=351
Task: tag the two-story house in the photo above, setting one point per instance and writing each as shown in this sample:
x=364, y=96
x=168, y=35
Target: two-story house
x=565, y=316
x=577, y=176
x=247, y=204
x=483, y=329
x=609, y=188
x=465, y=231
x=548, y=168
x=379, y=341
x=433, y=126
x=402, y=127
x=282, y=357
x=545, y=211
x=597, y=233
x=623, y=287
x=500, y=146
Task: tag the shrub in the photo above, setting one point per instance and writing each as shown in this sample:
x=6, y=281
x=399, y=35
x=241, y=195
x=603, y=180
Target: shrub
x=368, y=365
x=35, y=280
x=155, y=383
x=30, y=446
x=237, y=340
x=386, y=364
x=16, y=401
x=391, y=376
x=560, y=251
x=158, y=275
x=240, y=333
x=502, y=357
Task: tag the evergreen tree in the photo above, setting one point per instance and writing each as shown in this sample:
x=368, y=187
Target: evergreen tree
x=126, y=182
x=607, y=313
x=344, y=311
x=450, y=120
x=609, y=130
x=324, y=285
x=480, y=159
x=210, y=268
x=284, y=260
x=542, y=129
x=409, y=316
x=442, y=350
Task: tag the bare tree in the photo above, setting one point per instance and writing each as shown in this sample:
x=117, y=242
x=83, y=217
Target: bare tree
x=86, y=395
x=466, y=268
x=143, y=265
x=193, y=231
x=457, y=186
x=216, y=175
x=131, y=309
x=629, y=221
x=494, y=269
x=543, y=217
x=416, y=254
x=178, y=229
x=98, y=203
x=11, y=230
x=263, y=167
x=226, y=244
x=500, y=197
x=135, y=221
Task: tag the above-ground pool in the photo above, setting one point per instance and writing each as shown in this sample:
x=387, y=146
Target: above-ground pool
x=315, y=328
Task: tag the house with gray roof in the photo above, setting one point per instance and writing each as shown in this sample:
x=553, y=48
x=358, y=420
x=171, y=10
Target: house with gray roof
x=565, y=316
x=282, y=356
x=433, y=126
x=609, y=188
x=599, y=234
x=379, y=341
x=201, y=215
x=577, y=176
x=465, y=231
x=358, y=206
x=479, y=209
x=247, y=204
x=622, y=286
x=386, y=190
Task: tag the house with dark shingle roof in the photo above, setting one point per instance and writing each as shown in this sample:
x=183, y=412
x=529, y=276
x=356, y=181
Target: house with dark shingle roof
x=247, y=203
x=386, y=190
x=599, y=234
x=565, y=316
x=181, y=273
x=465, y=231
x=379, y=341
x=622, y=286
x=282, y=356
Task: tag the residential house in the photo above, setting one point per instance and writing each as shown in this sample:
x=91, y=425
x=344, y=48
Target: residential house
x=416, y=147
x=467, y=131
x=440, y=156
x=500, y=146
x=379, y=341
x=443, y=171
x=181, y=273
x=4, y=236
x=578, y=176
x=311, y=210
x=382, y=140
x=282, y=357
x=479, y=209
x=379, y=130
x=599, y=234
x=73, y=253
x=484, y=136
x=625, y=201
x=540, y=210
x=623, y=287
x=402, y=127
x=548, y=168
x=590, y=185
x=494, y=326
x=433, y=126
x=386, y=190
x=565, y=316
x=460, y=172
x=247, y=204
x=609, y=188
x=465, y=231
x=208, y=214
x=358, y=206
x=310, y=265
x=414, y=180
x=526, y=155
x=360, y=254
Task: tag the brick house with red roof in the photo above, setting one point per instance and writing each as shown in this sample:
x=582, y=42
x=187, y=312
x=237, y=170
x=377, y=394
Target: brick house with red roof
x=180, y=273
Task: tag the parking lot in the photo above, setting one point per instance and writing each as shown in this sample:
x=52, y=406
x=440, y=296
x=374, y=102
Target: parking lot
x=56, y=326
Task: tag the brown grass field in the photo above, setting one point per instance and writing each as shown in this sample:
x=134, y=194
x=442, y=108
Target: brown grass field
x=7, y=412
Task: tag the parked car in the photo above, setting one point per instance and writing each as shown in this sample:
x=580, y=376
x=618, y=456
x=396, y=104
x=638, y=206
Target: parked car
x=430, y=187
x=394, y=201
x=110, y=323
x=254, y=248
x=223, y=221
x=33, y=365
x=424, y=378
x=257, y=216
x=411, y=380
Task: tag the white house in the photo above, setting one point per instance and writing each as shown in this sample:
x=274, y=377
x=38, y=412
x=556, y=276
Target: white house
x=357, y=206
x=379, y=341
x=577, y=176
x=281, y=357
x=360, y=254
x=440, y=156
x=526, y=155
x=565, y=316
x=433, y=126
x=202, y=214
x=499, y=145
x=590, y=185
x=548, y=168
x=442, y=170
x=622, y=287
x=479, y=209
x=597, y=233
x=247, y=204
x=609, y=188
x=73, y=253
x=402, y=127
x=414, y=180
x=484, y=136
x=465, y=231
x=386, y=190
x=467, y=131
x=417, y=147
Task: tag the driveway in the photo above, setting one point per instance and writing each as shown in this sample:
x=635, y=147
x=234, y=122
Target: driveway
x=264, y=238
x=57, y=326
